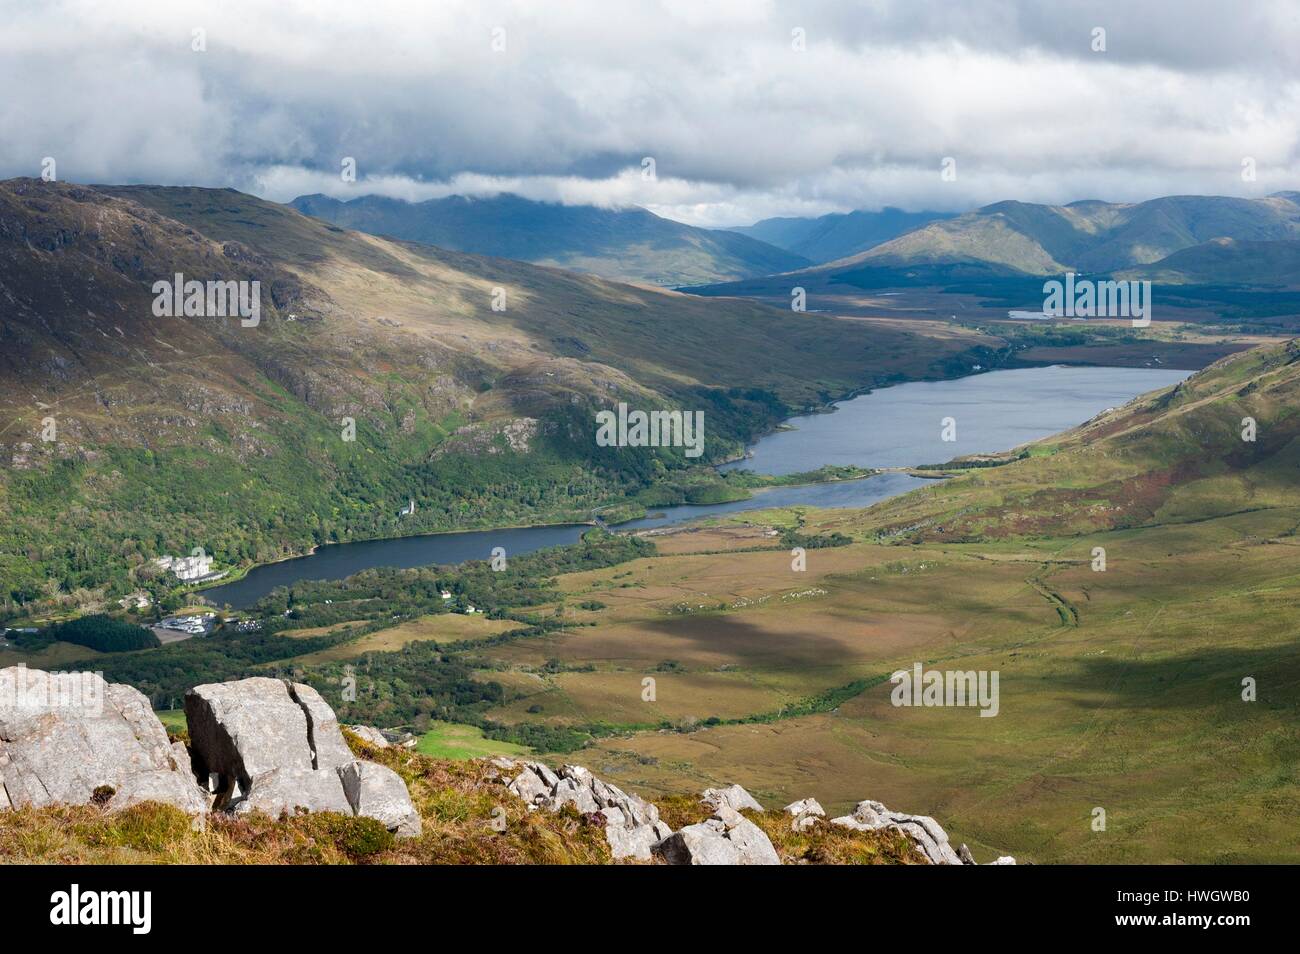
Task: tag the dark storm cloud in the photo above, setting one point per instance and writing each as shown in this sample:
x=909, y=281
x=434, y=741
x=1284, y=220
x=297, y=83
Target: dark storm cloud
x=739, y=122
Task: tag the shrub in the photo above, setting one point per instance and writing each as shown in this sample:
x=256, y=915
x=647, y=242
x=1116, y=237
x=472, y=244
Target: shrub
x=358, y=838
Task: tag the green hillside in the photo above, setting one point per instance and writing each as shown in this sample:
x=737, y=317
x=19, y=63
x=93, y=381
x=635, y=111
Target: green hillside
x=176, y=433
x=1228, y=261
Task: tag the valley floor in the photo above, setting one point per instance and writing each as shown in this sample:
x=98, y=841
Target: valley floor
x=1120, y=690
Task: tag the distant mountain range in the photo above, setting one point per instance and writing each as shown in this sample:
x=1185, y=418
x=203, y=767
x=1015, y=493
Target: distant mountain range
x=625, y=244
x=1094, y=236
x=1217, y=243
x=840, y=234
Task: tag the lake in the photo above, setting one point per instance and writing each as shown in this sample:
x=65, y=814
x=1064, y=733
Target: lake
x=902, y=426
x=898, y=426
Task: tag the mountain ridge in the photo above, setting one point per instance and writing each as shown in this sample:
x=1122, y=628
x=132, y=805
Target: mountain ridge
x=1088, y=235
x=630, y=244
x=839, y=234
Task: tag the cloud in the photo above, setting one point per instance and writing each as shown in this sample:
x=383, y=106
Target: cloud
x=562, y=101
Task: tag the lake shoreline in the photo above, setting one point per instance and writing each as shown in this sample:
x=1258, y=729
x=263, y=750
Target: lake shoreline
x=903, y=473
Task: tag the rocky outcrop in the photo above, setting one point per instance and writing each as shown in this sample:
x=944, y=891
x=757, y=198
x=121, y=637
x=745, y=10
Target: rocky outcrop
x=632, y=825
x=633, y=828
x=728, y=838
x=926, y=833
x=275, y=746
x=733, y=797
x=805, y=813
x=369, y=735
x=72, y=738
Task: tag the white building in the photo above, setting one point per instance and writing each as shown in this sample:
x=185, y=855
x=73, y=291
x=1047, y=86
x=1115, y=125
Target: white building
x=186, y=568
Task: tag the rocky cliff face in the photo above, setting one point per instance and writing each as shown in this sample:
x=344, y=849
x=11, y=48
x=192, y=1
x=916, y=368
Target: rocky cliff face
x=275, y=747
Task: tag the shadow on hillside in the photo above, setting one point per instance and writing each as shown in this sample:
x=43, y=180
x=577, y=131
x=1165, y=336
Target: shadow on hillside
x=1195, y=680
x=733, y=636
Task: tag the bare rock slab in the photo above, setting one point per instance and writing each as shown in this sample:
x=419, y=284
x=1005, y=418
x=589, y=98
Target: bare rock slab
x=376, y=791
x=926, y=833
x=64, y=735
x=733, y=797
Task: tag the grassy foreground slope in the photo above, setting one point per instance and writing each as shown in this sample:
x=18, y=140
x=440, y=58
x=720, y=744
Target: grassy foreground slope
x=468, y=817
x=1120, y=689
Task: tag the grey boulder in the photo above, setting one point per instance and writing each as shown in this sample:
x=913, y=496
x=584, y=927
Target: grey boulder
x=376, y=791
x=805, y=813
x=805, y=806
x=243, y=731
x=926, y=833
x=733, y=797
x=275, y=746
x=728, y=838
x=64, y=735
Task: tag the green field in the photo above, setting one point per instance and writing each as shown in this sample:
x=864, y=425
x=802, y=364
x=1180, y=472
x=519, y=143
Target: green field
x=446, y=740
x=173, y=720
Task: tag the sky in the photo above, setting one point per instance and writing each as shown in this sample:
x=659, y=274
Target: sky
x=747, y=108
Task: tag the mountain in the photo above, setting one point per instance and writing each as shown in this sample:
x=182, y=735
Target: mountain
x=1086, y=236
x=838, y=235
x=125, y=436
x=1215, y=259
x=625, y=244
x=1226, y=260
